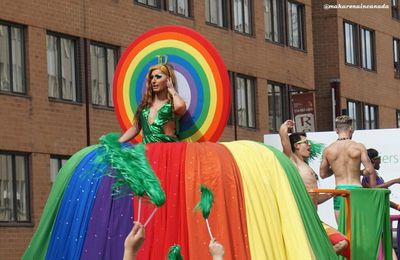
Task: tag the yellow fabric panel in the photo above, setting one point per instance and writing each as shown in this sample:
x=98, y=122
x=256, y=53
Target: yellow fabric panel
x=274, y=223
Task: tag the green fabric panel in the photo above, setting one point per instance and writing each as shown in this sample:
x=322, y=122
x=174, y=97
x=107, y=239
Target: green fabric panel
x=369, y=209
x=37, y=248
x=318, y=238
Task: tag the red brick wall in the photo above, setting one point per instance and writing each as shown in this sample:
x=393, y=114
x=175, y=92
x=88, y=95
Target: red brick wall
x=378, y=87
x=42, y=127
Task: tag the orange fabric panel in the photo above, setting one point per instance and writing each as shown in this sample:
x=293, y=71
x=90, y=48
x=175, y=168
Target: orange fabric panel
x=212, y=164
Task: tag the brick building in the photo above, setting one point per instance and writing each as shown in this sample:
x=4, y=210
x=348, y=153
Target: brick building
x=57, y=60
x=357, y=54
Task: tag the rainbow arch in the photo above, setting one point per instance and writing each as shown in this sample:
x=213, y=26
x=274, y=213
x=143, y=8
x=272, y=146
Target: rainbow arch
x=203, y=80
x=261, y=210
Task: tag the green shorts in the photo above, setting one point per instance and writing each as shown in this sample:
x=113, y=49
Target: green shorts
x=337, y=200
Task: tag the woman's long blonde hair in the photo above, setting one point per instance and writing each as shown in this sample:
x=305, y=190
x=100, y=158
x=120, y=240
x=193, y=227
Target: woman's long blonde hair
x=148, y=97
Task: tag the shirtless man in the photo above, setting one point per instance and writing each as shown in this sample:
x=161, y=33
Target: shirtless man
x=297, y=148
x=343, y=159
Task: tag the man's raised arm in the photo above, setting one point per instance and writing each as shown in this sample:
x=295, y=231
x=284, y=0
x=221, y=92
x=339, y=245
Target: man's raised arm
x=284, y=135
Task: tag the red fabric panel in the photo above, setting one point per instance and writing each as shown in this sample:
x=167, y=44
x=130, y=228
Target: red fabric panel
x=213, y=165
x=169, y=225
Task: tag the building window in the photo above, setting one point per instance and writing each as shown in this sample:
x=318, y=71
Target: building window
x=181, y=7
x=359, y=46
x=245, y=101
x=14, y=188
x=242, y=20
x=395, y=9
x=370, y=116
x=61, y=68
x=354, y=111
x=367, y=49
x=232, y=119
x=12, y=59
x=152, y=3
x=350, y=43
x=365, y=116
x=216, y=12
x=103, y=61
x=56, y=162
x=396, y=57
x=398, y=118
x=278, y=23
x=277, y=105
x=274, y=20
x=295, y=25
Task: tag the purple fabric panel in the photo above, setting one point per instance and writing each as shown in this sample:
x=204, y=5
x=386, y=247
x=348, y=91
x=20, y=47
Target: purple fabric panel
x=109, y=224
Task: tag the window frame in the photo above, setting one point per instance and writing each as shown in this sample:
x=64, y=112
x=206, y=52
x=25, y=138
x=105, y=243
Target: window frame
x=373, y=51
x=395, y=9
x=359, y=121
x=396, y=64
x=225, y=14
x=355, y=39
x=78, y=84
x=106, y=47
x=250, y=14
x=376, y=116
x=59, y=159
x=163, y=5
x=280, y=9
x=10, y=57
x=254, y=100
x=286, y=103
x=159, y=5
x=300, y=20
x=398, y=118
x=175, y=12
x=284, y=29
x=27, y=190
x=359, y=46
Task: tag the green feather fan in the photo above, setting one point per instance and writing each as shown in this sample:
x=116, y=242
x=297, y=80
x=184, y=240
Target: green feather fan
x=130, y=168
x=206, y=202
x=316, y=150
x=175, y=253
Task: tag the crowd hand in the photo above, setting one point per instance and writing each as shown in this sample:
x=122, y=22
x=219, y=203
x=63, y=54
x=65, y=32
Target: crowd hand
x=135, y=238
x=216, y=249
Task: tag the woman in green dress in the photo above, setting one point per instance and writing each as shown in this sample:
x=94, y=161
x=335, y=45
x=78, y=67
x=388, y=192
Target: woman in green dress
x=161, y=106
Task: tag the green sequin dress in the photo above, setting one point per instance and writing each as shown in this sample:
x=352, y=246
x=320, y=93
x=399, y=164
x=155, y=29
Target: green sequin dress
x=155, y=132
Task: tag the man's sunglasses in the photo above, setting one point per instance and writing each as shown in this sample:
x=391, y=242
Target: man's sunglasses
x=303, y=142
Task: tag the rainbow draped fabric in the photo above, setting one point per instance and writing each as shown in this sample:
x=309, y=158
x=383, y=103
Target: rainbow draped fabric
x=261, y=209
